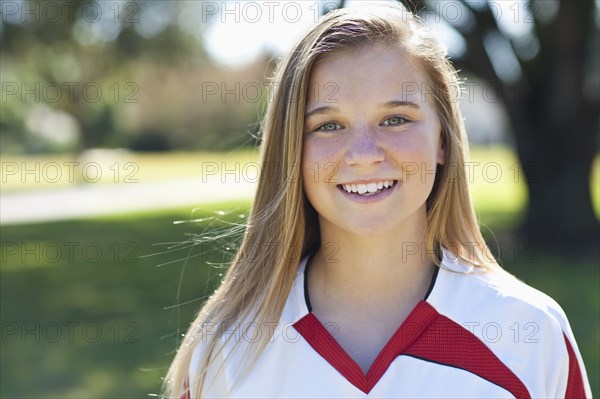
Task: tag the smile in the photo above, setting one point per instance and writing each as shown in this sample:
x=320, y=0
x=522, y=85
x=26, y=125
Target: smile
x=368, y=189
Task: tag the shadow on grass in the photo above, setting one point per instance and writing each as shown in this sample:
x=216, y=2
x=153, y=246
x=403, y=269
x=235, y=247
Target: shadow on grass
x=85, y=317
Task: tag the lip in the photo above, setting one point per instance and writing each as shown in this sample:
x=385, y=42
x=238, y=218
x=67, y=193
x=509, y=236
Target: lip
x=371, y=198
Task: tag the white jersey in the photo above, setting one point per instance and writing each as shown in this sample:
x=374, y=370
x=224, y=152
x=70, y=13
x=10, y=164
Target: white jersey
x=475, y=335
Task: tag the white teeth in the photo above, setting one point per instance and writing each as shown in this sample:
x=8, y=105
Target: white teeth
x=367, y=188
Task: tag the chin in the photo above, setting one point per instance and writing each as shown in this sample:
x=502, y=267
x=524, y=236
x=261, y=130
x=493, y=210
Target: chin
x=370, y=229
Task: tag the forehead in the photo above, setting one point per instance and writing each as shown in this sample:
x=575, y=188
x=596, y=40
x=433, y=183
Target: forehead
x=366, y=72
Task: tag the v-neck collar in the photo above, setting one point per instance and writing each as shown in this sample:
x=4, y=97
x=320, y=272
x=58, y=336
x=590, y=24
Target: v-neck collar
x=418, y=337
x=327, y=346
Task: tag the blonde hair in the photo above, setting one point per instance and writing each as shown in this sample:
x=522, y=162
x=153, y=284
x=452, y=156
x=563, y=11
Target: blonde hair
x=283, y=226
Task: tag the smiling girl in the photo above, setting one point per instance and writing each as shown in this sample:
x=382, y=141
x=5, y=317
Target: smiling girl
x=362, y=272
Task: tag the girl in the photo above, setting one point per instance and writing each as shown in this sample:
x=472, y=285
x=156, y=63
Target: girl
x=362, y=271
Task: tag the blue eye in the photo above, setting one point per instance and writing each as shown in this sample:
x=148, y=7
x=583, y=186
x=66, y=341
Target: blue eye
x=395, y=121
x=329, y=127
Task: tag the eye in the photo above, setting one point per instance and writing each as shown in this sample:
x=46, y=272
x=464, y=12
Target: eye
x=328, y=127
x=395, y=121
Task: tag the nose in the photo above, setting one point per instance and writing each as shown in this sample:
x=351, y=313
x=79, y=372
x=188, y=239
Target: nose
x=363, y=149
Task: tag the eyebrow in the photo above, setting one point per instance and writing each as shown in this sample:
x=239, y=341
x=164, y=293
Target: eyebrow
x=321, y=110
x=398, y=103
x=389, y=104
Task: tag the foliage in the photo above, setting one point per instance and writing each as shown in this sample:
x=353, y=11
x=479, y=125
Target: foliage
x=133, y=75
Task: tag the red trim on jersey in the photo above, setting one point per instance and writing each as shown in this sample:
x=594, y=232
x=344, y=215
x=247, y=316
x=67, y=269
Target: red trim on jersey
x=424, y=334
x=322, y=342
x=575, y=387
x=449, y=343
x=325, y=344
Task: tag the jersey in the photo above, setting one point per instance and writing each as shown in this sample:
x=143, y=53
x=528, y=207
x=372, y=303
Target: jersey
x=475, y=335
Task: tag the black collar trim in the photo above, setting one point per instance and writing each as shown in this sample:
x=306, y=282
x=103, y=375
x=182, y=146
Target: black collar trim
x=306, y=296
x=433, y=280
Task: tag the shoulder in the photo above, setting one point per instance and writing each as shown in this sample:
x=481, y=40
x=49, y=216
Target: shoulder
x=523, y=327
x=461, y=291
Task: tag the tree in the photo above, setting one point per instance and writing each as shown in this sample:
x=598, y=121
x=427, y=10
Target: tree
x=554, y=115
x=88, y=52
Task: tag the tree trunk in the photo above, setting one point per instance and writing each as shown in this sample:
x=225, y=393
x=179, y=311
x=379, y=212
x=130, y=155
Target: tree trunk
x=555, y=126
x=558, y=159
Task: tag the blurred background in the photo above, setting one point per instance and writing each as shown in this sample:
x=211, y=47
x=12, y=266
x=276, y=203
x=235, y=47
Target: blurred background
x=129, y=133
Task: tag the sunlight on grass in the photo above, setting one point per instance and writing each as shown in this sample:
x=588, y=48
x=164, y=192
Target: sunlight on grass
x=595, y=185
x=20, y=173
x=497, y=180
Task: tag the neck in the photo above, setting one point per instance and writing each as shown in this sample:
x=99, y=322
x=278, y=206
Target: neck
x=374, y=269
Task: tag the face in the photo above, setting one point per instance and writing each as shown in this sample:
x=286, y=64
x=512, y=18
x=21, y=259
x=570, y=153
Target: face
x=371, y=128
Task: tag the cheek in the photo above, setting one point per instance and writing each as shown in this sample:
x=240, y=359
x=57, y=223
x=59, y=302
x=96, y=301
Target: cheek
x=319, y=162
x=323, y=149
x=310, y=161
x=313, y=158
x=308, y=158
x=416, y=157
x=413, y=148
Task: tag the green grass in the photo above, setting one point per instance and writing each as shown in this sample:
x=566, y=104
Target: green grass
x=48, y=172
x=125, y=298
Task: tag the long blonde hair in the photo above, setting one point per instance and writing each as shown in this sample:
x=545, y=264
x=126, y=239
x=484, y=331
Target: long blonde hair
x=283, y=226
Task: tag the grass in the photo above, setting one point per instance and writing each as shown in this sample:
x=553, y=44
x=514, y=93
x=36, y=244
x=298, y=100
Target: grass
x=92, y=323
x=115, y=311
x=48, y=172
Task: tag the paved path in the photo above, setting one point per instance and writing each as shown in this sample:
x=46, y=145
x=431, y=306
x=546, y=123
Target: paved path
x=95, y=200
